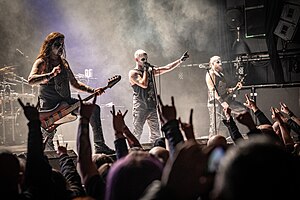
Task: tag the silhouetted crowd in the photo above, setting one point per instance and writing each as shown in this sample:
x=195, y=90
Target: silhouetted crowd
x=262, y=163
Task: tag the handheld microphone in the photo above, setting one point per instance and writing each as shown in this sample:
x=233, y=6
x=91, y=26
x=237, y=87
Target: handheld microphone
x=146, y=64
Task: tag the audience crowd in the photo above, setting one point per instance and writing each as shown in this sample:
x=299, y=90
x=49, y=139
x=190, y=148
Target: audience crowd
x=261, y=163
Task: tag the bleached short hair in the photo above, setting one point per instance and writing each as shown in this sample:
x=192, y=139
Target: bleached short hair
x=214, y=59
x=139, y=52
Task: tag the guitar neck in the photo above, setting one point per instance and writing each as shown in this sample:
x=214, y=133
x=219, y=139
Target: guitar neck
x=77, y=104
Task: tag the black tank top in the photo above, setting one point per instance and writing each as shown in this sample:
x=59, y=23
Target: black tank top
x=144, y=97
x=56, y=90
x=221, y=86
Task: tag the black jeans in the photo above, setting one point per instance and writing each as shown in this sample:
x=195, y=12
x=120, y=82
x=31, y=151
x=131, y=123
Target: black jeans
x=95, y=122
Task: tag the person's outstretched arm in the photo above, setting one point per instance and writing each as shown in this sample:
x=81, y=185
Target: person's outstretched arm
x=284, y=133
x=285, y=109
x=188, y=128
x=258, y=113
x=161, y=70
x=68, y=169
x=92, y=181
x=170, y=125
x=233, y=130
x=38, y=170
x=120, y=140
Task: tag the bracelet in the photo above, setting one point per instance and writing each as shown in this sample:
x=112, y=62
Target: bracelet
x=90, y=90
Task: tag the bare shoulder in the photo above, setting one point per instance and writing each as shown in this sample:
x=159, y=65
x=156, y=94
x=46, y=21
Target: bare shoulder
x=133, y=73
x=39, y=62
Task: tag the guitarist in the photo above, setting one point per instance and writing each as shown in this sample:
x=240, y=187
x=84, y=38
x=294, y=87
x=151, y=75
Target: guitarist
x=54, y=75
x=219, y=95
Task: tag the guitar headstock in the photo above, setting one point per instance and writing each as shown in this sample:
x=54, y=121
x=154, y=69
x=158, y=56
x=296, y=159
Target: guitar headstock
x=113, y=80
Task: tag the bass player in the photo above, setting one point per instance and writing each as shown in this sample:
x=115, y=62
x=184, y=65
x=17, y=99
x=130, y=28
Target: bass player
x=54, y=75
x=220, y=95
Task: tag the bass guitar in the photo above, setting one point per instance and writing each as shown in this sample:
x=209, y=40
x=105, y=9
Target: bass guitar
x=62, y=113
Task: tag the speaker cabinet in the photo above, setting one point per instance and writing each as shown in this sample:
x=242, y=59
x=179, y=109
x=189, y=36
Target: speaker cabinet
x=255, y=15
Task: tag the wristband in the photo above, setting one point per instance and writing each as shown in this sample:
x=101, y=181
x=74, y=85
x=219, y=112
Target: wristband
x=90, y=90
x=48, y=77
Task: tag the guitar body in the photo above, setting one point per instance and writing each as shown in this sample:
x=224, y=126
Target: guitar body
x=63, y=112
x=51, y=119
x=229, y=95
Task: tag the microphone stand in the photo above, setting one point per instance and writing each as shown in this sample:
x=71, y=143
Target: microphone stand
x=155, y=90
x=214, y=96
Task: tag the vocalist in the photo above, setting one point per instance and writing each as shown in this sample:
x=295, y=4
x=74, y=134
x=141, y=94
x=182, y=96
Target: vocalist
x=142, y=81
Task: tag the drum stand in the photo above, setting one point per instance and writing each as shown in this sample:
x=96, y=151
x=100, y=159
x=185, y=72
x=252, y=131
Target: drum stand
x=10, y=114
x=8, y=117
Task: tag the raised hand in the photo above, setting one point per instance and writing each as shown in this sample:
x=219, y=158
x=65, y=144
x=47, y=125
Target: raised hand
x=246, y=119
x=188, y=128
x=250, y=103
x=284, y=108
x=275, y=114
x=31, y=112
x=184, y=56
x=61, y=149
x=86, y=110
x=283, y=118
x=227, y=112
x=166, y=113
x=118, y=119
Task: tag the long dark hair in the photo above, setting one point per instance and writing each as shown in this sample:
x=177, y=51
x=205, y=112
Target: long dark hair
x=46, y=46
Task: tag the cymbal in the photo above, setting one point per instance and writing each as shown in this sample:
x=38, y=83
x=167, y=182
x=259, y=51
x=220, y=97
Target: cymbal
x=17, y=81
x=6, y=83
x=7, y=69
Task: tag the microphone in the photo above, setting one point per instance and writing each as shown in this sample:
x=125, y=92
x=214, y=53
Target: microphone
x=146, y=64
x=204, y=66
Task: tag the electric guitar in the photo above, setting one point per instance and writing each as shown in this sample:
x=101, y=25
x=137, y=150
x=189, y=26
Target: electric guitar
x=230, y=92
x=62, y=113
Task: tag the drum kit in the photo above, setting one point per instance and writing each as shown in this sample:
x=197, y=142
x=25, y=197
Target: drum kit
x=13, y=129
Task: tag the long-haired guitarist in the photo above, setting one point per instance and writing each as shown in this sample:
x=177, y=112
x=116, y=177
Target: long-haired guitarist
x=54, y=75
x=219, y=95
